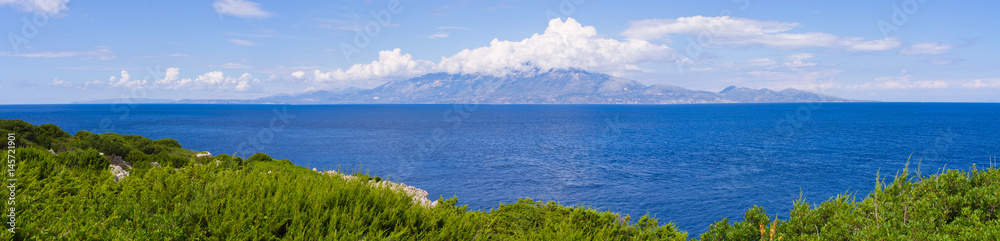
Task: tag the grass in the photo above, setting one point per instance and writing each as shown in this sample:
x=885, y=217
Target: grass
x=229, y=198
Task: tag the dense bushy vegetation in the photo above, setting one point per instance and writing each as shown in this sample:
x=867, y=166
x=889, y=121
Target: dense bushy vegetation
x=72, y=195
x=953, y=205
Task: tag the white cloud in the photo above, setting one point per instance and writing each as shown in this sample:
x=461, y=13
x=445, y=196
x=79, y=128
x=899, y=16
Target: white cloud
x=240, y=8
x=796, y=61
x=390, y=64
x=927, y=48
x=437, y=36
x=741, y=31
x=172, y=81
x=241, y=42
x=170, y=76
x=902, y=81
x=103, y=53
x=125, y=80
x=50, y=7
x=563, y=45
x=214, y=79
x=298, y=74
x=983, y=83
x=89, y=83
x=60, y=83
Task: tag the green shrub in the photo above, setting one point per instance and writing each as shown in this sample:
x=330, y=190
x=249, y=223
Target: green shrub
x=165, y=159
x=260, y=157
x=86, y=158
x=138, y=159
x=167, y=142
x=366, y=178
x=228, y=161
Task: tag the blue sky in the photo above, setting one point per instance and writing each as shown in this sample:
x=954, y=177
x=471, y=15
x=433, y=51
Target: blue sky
x=61, y=51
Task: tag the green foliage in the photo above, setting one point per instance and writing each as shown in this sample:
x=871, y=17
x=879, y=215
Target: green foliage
x=260, y=157
x=167, y=142
x=87, y=158
x=138, y=159
x=169, y=160
x=951, y=205
x=227, y=161
x=366, y=178
x=45, y=135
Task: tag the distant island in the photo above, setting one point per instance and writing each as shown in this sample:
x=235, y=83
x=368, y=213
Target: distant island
x=560, y=86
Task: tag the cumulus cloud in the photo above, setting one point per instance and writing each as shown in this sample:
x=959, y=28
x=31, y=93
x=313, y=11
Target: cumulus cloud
x=102, y=53
x=927, y=49
x=390, y=64
x=60, y=83
x=727, y=30
x=172, y=81
x=214, y=79
x=49, y=7
x=125, y=80
x=298, y=74
x=240, y=8
x=902, y=81
x=563, y=45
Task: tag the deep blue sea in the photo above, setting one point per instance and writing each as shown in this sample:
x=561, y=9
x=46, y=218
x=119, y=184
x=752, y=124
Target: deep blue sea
x=689, y=164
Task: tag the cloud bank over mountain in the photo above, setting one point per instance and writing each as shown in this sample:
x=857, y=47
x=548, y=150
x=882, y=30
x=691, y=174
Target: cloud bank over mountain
x=563, y=45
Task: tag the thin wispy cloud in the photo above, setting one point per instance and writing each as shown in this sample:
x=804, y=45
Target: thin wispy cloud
x=103, y=53
x=901, y=81
x=927, y=49
x=231, y=66
x=242, y=42
x=742, y=31
x=240, y=8
x=50, y=7
x=437, y=35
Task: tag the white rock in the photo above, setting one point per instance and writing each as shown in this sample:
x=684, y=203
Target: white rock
x=119, y=173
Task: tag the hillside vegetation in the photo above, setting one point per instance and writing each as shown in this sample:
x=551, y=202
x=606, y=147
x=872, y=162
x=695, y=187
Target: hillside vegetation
x=70, y=193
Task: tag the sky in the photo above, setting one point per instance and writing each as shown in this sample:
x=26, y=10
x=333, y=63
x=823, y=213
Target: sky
x=63, y=51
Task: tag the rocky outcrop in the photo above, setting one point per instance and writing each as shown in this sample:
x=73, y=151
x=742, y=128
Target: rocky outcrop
x=118, y=161
x=203, y=154
x=419, y=195
x=119, y=172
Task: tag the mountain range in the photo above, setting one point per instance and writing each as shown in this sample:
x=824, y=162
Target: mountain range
x=551, y=87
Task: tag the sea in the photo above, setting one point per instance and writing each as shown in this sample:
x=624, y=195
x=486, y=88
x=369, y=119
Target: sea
x=688, y=164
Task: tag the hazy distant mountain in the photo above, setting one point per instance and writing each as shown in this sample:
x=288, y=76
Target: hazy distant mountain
x=127, y=101
x=552, y=87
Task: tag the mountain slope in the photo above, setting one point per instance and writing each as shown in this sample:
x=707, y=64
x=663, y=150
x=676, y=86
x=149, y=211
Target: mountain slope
x=552, y=87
